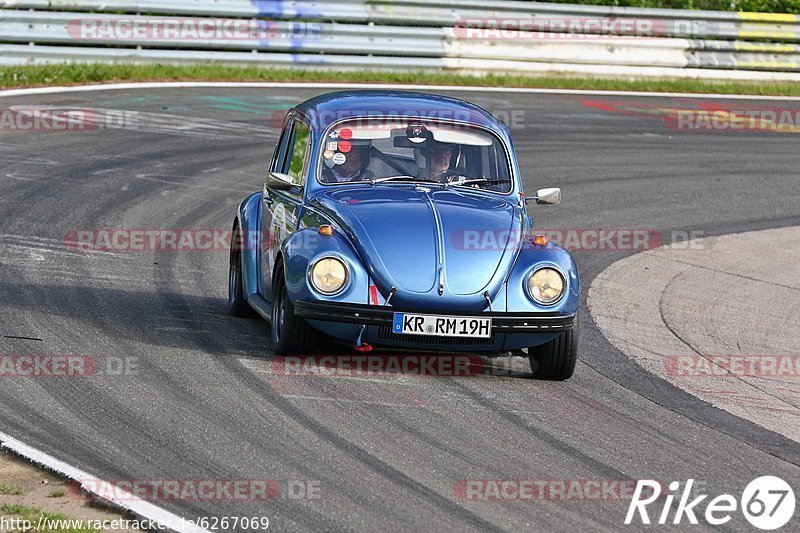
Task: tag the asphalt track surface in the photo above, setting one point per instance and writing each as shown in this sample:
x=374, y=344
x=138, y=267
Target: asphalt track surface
x=204, y=402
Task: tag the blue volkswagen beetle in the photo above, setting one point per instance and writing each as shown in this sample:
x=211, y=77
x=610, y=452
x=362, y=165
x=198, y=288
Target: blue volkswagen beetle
x=397, y=220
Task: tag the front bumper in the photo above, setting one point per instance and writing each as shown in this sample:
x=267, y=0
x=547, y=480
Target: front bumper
x=381, y=316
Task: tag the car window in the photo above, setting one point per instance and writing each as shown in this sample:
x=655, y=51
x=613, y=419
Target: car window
x=278, y=158
x=453, y=154
x=299, y=152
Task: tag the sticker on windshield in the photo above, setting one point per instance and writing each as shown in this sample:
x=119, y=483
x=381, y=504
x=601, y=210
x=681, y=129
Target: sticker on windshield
x=417, y=133
x=346, y=134
x=345, y=147
x=334, y=135
x=333, y=146
x=339, y=159
x=328, y=154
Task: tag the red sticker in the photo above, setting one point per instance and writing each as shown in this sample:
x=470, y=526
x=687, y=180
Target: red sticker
x=373, y=295
x=345, y=146
x=346, y=134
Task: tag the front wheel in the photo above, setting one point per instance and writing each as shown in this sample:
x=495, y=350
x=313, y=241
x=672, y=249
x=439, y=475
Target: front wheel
x=555, y=360
x=291, y=335
x=237, y=304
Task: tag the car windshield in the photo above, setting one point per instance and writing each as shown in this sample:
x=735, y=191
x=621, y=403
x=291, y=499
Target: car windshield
x=380, y=152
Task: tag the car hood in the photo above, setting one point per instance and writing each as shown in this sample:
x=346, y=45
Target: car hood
x=406, y=234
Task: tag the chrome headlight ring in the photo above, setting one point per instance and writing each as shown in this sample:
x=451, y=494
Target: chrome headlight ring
x=546, y=285
x=329, y=275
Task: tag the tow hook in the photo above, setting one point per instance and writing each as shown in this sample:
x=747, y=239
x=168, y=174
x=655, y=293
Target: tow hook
x=359, y=346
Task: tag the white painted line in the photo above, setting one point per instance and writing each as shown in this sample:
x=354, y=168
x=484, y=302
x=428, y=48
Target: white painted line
x=102, y=489
x=392, y=86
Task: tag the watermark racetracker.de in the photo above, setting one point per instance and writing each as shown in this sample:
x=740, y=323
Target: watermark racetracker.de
x=702, y=116
x=767, y=502
x=578, y=239
x=366, y=119
x=542, y=28
x=775, y=367
x=197, y=490
x=408, y=365
x=53, y=366
x=223, y=30
x=534, y=489
x=46, y=118
x=467, y=239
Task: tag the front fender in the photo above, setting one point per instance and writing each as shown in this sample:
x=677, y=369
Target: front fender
x=305, y=247
x=248, y=220
x=530, y=258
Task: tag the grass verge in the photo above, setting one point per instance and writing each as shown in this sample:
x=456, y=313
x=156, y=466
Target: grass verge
x=51, y=522
x=10, y=490
x=28, y=494
x=79, y=74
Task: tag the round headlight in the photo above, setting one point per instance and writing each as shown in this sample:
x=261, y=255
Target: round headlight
x=546, y=286
x=329, y=275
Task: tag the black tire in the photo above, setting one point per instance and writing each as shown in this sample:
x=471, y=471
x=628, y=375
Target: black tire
x=237, y=305
x=291, y=335
x=555, y=360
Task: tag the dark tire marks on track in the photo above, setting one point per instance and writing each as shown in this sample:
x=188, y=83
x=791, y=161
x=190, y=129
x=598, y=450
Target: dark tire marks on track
x=203, y=404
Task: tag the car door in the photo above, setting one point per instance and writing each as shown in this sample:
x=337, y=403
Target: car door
x=280, y=208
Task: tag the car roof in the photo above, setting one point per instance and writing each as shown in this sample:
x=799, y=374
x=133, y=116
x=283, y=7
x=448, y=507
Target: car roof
x=329, y=108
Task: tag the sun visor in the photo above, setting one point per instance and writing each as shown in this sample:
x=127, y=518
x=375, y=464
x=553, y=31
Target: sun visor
x=461, y=136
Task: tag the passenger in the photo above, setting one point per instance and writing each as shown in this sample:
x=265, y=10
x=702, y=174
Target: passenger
x=354, y=168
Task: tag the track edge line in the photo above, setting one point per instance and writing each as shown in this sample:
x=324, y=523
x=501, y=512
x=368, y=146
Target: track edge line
x=139, y=508
x=395, y=86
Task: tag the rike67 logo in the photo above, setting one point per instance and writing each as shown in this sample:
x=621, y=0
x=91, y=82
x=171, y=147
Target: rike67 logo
x=767, y=502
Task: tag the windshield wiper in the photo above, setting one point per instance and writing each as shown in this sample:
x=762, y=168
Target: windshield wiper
x=411, y=178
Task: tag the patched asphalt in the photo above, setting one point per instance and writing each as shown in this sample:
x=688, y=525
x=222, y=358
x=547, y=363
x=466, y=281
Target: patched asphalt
x=716, y=317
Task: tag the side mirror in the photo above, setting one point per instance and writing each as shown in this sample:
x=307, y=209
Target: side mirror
x=279, y=182
x=551, y=196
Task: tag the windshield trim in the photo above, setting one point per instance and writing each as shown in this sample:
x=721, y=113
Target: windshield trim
x=511, y=169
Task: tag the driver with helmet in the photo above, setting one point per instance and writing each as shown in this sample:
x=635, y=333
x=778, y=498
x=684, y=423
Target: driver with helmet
x=434, y=159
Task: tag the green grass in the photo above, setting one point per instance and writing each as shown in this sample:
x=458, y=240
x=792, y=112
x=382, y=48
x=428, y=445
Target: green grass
x=72, y=74
x=58, y=493
x=10, y=490
x=32, y=514
x=766, y=6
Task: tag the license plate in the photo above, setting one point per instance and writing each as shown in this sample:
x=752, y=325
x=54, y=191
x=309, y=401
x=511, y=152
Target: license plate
x=442, y=326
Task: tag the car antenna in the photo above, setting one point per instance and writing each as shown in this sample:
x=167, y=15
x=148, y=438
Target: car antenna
x=488, y=300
